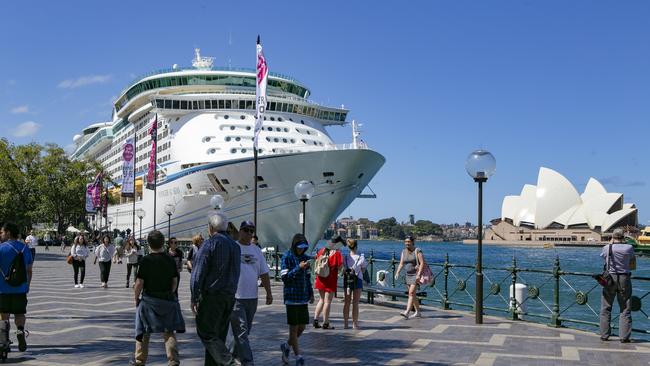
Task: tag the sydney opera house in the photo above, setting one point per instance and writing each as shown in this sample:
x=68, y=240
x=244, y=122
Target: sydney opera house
x=554, y=211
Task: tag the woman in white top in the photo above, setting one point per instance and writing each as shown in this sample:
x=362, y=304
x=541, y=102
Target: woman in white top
x=79, y=253
x=131, y=252
x=355, y=264
x=104, y=252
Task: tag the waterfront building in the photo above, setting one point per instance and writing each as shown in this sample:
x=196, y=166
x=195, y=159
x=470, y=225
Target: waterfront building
x=553, y=211
x=205, y=122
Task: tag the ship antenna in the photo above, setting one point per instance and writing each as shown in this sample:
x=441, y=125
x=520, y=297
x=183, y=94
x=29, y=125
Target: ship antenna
x=229, y=50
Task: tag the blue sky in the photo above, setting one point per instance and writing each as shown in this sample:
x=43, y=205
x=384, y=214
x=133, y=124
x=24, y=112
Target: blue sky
x=560, y=84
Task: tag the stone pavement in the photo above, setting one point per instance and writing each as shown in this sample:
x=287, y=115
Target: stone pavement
x=94, y=326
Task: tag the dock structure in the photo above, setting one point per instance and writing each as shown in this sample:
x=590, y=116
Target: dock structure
x=95, y=326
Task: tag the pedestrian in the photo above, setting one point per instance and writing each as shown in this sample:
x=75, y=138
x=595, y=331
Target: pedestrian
x=256, y=241
x=253, y=267
x=131, y=252
x=409, y=260
x=620, y=261
x=119, y=250
x=296, y=277
x=215, y=273
x=355, y=264
x=197, y=241
x=103, y=253
x=331, y=257
x=176, y=254
x=64, y=243
x=79, y=253
x=158, y=310
x=14, y=284
x=32, y=241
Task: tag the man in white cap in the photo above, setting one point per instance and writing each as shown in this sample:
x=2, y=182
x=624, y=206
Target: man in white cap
x=619, y=260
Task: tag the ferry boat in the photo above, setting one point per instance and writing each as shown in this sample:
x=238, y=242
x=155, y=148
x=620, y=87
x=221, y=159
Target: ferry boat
x=206, y=118
x=642, y=245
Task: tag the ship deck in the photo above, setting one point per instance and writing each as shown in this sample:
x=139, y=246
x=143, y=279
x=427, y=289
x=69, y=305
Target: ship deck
x=94, y=326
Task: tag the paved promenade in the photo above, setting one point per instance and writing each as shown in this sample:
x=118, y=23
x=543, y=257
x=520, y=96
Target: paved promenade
x=94, y=326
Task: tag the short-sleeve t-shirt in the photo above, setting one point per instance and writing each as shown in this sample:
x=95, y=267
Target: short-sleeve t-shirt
x=177, y=256
x=253, y=265
x=157, y=271
x=328, y=284
x=7, y=255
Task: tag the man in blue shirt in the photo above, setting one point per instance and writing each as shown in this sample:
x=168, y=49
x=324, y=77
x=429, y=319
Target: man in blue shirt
x=215, y=274
x=13, y=299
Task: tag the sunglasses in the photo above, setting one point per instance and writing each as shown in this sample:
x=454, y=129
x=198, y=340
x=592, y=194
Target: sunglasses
x=250, y=231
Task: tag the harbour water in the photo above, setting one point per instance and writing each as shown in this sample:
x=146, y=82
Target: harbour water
x=579, y=294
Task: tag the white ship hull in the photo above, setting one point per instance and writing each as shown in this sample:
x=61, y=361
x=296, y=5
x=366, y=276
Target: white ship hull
x=278, y=208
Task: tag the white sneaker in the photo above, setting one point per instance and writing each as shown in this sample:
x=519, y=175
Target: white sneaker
x=81, y=285
x=77, y=286
x=417, y=314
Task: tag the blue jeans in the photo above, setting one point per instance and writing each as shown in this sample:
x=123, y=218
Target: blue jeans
x=212, y=320
x=241, y=322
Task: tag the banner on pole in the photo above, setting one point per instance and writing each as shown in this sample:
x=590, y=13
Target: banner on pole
x=151, y=173
x=89, y=198
x=128, y=166
x=97, y=191
x=105, y=204
x=260, y=91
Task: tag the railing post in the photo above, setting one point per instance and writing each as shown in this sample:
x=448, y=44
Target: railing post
x=393, y=262
x=513, y=297
x=277, y=263
x=555, y=316
x=372, y=265
x=445, y=293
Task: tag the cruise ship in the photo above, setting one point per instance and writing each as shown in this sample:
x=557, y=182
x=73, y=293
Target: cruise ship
x=206, y=119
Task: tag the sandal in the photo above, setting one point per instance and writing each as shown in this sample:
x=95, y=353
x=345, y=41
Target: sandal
x=327, y=326
x=316, y=325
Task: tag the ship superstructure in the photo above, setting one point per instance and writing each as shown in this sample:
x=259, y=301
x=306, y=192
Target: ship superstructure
x=206, y=117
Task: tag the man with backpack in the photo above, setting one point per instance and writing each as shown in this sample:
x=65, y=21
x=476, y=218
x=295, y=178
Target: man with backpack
x=16, y=269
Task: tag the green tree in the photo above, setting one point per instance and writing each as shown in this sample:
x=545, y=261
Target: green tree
x=426, y=227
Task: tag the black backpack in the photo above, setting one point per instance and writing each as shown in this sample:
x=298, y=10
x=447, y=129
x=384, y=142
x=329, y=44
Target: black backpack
x=16, y=275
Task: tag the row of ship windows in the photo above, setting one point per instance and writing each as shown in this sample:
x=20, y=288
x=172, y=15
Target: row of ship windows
x=268, y=138
x=249, y=104
x=230, y=80
x=270, y=129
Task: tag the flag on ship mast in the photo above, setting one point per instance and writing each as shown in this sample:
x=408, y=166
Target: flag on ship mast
x=128, y=165
x=260, y=90
x=151, y=173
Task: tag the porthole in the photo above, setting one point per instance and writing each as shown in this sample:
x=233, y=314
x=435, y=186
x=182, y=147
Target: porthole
x=286, y=129
x=248, y=128
x=226, y=116
x=315, y=143
x=272, y=118
x=206, y=139
x=242, y=117
x=212, y=151
x=232, y=151
x=269, y=128
x=177, y=118
x=302, y=122
x=243, y=151
x=293, y=141
x=278, y=129
x=265, y=118
x=284, y=140
x=228, y=138
x=273, y=150
x=237, y=138
x=280, y=119
x=276, y=140
x=268, y=139
x=304, y=142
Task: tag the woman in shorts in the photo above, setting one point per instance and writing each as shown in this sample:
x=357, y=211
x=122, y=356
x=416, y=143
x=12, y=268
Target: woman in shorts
x=326, y=286
x=409, y=260
x=355, y=264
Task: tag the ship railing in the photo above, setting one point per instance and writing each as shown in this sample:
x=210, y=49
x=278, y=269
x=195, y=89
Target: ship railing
x=283, y=96
x=553, y=296
x=328, y=147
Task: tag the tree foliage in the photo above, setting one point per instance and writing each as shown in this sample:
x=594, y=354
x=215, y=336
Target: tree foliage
x=40, y=184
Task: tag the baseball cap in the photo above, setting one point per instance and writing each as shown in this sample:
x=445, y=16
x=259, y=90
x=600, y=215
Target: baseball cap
x=246, y=223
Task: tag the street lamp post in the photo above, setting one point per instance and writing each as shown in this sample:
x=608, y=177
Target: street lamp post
x=480, y=165
x=303, y=191
x=169, y=210
x=141, y=215
x=110, y=222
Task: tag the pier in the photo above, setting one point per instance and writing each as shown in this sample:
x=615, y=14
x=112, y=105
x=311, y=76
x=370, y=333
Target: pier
x=95, y=326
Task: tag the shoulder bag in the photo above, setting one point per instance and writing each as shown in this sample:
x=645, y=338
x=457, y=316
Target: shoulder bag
x=605, y=279
x=426, y=276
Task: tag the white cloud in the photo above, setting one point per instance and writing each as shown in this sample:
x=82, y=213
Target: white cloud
x=25, y=129
x=20, y=109
x=83, y=81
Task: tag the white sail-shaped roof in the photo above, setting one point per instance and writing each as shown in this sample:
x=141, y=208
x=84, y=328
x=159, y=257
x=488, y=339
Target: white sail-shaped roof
x=556, y=201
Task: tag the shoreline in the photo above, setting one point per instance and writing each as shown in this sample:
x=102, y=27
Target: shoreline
x=534, y=244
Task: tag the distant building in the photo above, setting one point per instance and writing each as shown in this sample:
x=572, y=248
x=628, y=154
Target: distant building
x=412, y=219
x=554, y=211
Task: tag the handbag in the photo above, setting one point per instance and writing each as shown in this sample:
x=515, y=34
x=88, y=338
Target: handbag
x=69, y=259
x=426, y=276
x=605, y=279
